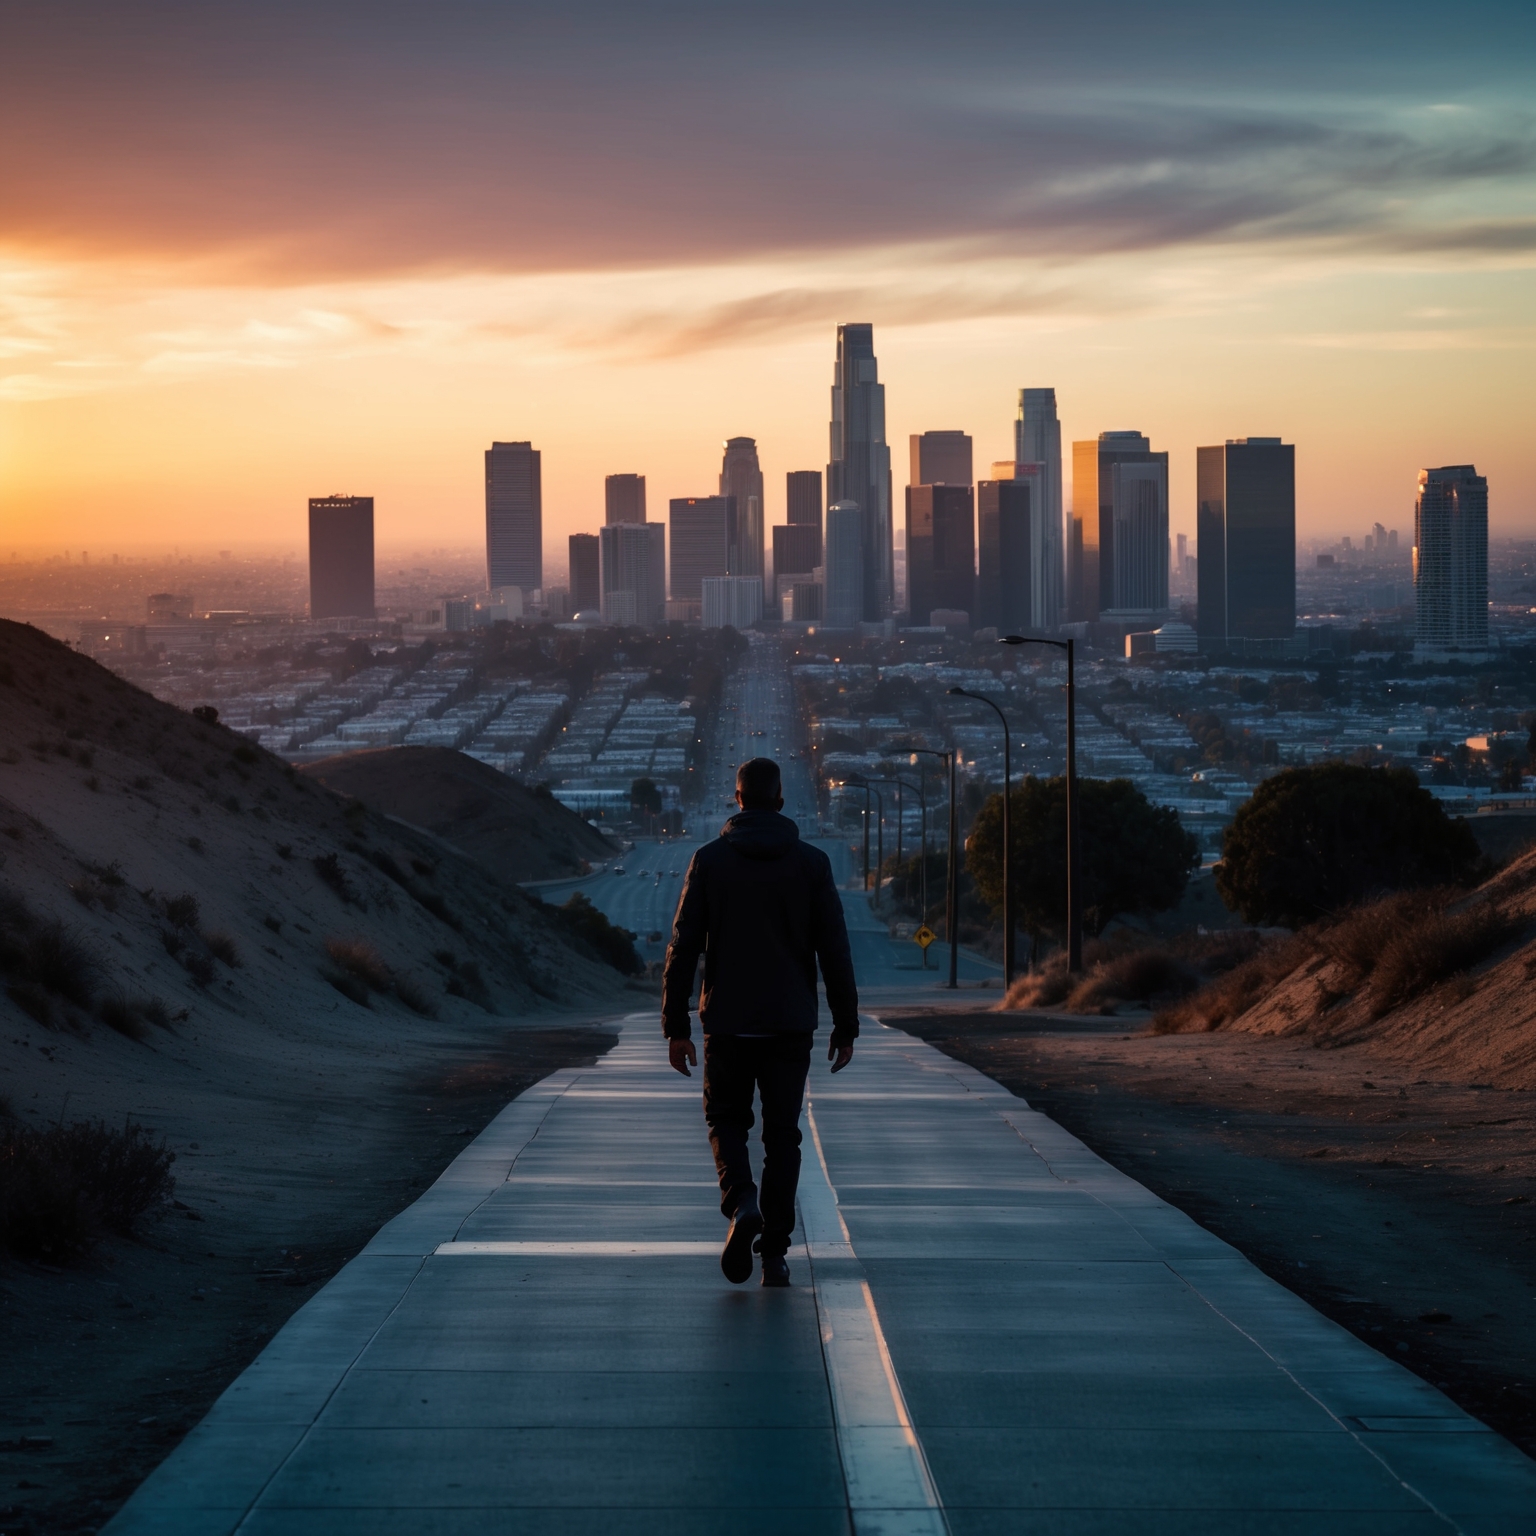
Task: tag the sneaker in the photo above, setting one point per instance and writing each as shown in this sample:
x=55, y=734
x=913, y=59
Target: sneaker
x=775, y=1269
x=736, y=1256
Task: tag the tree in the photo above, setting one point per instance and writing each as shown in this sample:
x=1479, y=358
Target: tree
x=1132, y=857
x=1314, y=840
x=645, y=797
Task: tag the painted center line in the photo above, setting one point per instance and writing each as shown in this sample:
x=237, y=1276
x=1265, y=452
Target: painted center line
x=891, y=1491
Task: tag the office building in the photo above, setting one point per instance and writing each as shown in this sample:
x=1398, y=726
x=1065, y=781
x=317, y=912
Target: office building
x=796, y=549
x=941, y=458
x=860, y=469
x=514, y=517
x=843, y=601
x=1120, y=495
x=741, y=482
x=802, y=497
x=1013, y=587
x=1245, y=498
x=634, y=572
x=1450, y=559
x=340, y=557
x=941, y=550
x=624, y=499
x=734, y=601
x=586, y=573
x=698, y=535
x=800, y=602
x=1037, y=440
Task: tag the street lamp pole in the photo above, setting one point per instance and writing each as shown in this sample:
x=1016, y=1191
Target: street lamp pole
x=1074, y=879
x=952, y=871
x=1007, y=835
x=922, y=805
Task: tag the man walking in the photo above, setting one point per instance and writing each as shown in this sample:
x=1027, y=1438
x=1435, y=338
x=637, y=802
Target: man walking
x=762, y=908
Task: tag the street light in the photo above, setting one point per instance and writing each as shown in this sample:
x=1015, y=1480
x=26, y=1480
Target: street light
x=1074, y=882
x=859, y=782
x=922, y=803
x=952, y=874
x=1007, y=836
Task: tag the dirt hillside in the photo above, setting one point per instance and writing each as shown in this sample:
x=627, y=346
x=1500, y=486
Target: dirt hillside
x=1438, y=982
x=517, y=832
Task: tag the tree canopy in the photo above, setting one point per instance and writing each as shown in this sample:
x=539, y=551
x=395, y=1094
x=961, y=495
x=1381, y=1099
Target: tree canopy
x=1314, y=840
x=1133, y=856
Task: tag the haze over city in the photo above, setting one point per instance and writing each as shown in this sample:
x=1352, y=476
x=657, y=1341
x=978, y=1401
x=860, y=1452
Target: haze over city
x=274, y=255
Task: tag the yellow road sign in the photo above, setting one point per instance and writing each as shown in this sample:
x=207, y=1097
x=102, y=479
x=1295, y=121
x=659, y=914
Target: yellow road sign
x=924, y=936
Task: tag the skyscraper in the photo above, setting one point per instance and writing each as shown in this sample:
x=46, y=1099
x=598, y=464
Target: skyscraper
x=1450, y=558
x=741, y=479
x=586, y=573
x=941, y=550
x=1037, y=440
x=514, y=517
x=624, y=499
x=341, y=557
x=860, y=467
x=1013, y=586
x=802, y=497
x=941, y=458
x=843, y=603
x=700, y=525
x=634, y=572
x=1120, y=495
x=1245, y=492
x=796, y=549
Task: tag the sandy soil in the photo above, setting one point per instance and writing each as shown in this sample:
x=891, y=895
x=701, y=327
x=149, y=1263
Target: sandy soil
x=1400, y=1206
x=110, y=1364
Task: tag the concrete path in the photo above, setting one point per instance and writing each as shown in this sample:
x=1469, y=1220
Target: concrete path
x=991, y=1330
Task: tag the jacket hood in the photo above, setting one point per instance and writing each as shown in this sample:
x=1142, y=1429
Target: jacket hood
x=761, y=834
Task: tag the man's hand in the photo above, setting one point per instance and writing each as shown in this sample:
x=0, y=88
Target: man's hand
x=682, y=1054
x=840, y=1056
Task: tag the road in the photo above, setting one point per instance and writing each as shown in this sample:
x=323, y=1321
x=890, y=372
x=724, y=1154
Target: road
x=757, y=719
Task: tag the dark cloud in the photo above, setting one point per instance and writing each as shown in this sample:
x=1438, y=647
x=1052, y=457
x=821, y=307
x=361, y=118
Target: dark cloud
x=339, y=139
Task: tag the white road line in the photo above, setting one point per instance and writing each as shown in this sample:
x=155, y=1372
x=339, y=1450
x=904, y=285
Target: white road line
x=891, y=1491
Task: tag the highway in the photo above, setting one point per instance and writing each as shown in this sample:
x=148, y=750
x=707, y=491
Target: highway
x=757, y=719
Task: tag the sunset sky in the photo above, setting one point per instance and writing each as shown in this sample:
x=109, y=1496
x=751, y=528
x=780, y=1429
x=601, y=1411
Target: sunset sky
x=249, y=255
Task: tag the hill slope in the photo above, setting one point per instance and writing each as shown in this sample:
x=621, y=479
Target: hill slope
x=518, y=833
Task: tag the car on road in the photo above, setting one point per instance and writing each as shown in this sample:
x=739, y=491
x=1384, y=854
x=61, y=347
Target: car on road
x=618, y=869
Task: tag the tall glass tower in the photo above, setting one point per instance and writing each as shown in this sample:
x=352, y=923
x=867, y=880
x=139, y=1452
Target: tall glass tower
x=860, y=467
x=514, y=517
x=1450, y=558
x=1037, y=440
x=741, y=477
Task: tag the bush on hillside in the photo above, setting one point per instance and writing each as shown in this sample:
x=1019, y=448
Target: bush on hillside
x=1314, y=841
x=1132, y=856
x=62, y=1186
x=1129, y=969
x=614, y=944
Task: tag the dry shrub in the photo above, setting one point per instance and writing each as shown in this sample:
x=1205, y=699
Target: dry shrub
x=223, y=947
x=116, y=1011
x=1358, y=939
x=359, y=959
x=182, y=911
x=415, y=996
x=1137, y=977
x=1439, y=945
x=61, y=1186
x=1235, y=993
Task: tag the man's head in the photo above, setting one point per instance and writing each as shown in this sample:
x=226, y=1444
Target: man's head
x=758, y=785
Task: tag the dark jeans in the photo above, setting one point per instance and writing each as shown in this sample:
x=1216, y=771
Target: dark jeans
x=775, y=1066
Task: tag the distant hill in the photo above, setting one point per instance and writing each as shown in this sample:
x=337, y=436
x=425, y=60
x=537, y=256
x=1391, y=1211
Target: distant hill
x=520, y=834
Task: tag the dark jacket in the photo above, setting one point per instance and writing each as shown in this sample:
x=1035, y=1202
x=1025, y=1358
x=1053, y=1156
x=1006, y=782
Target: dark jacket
x=762, y=908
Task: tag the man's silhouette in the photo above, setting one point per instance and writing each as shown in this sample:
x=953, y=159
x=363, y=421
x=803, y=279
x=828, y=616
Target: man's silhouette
x=762, y=908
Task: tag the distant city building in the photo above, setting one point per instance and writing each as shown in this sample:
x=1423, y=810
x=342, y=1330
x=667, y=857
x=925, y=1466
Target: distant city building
x=860, y=469
x=586, y=573
x=796, y=548
x=941, y=549
x=341, y=557
x=634, y=573
x=1245, y=493
x=624, y=499
x=1450, y=559
x=844, y=599
x=1014, y=590
x=802, y=497
x=1120, y=495
x=514, y=517
x=802, y=602
x=941, y=458
x=736, y=601
x=741, y=481
x=1037, y=440
x=699, y=538
x=163, y=606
